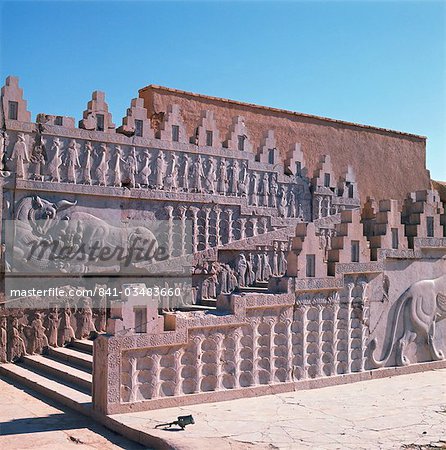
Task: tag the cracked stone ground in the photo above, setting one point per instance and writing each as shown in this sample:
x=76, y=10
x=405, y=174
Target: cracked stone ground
x=30, y=422
x=407, y=411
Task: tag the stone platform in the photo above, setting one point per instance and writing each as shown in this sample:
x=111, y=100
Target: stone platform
x=407, y=411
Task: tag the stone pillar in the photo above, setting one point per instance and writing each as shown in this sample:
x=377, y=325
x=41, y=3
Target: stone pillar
x=198, y=340
x=304, y=342
x=183, y=210
x=206, y=228
x=319, y=206
x=217, y=226
x=194, y=211
x=272, y=357
x=335, y=331
x=218, y=338
x=255, y=350
x=242, y=222
x=319, y=340
x=229, y=213
x=289, y=347
x=236, y=336
x=350, y=287
x=169, y=211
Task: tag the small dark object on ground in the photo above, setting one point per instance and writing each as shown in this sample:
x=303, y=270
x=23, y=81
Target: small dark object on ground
x=182, y=421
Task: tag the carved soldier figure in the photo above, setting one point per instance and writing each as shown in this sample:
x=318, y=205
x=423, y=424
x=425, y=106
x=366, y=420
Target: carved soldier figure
x=244, y=171
x=222, y=179
x=117, y=167
x=211, y=177
x=250, y=275
x=241, y=269
x=273, y=191
x=235, y=174
x=101, y=168
x=197, y=174
x=281, y=207
x=224, y=274
x=3, y=338
x=52, y=326
x=66, y=332
x=266, y=272
x=72, y=161
x=54, y=161
x=37, y=339
x=16, y=343
x=131, y=167
x=253, y=189
x=86, y=172
x=212, y=286
x=292, y=203
x=20, y=155
x=232, y=279
x=146, y=171
x=186, y=163
x=160, y=170
x=85, y=324
x=242, y=188
x=258, y=267
x=282, y=262
x=38, y=158
x=172, y=177
x=264, y=189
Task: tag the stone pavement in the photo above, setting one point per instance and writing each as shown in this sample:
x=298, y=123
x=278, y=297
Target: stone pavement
x=407, y=411
x=28, y=422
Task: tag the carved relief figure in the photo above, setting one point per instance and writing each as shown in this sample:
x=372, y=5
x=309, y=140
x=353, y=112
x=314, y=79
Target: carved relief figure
x=3, y=338
x=281, y=207
x=38, y=158
x=146, y=171
x=20, y=155
x=52, y=326
x=101, y=168
x=266, y=271
x=254, y=188
x=85, y=324
x=72, y=161
x=241, y=269
x=235, y=174
x=186, y=163
x=54, y=161
x=197, y=174
x=130, y=166
x=117, y=170
x=86, y=172
x=211, y=176
x=36, y=335
x=422, y=305
x=172, y=176
x=16, y=343
x=160, y=170
x=66, y=332
x=222, y=178
x=273, y=191
x=264, y=189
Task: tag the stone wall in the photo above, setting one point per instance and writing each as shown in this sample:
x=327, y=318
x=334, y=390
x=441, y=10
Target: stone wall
x=362, y=147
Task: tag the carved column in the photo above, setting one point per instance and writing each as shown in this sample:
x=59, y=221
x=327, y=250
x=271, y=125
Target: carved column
x=272, y=356
x=320, y=362
x=328, y=206
x=194, y=211
x=364, y=323
x=169, y=211
x=242, y=222
x=177, y=368
x=134, y=380
x=350, y=287
x=198, y=340
x=183, y=210
x=229, y=213
x=236, y=336
x=218, y=338
x=206, y=228
x=156, y=381
x=289, y=346
x=254, y=226
x=255, y=350
x=319, y=206
x=217, y=226
x=304, y=341
x=335, y=331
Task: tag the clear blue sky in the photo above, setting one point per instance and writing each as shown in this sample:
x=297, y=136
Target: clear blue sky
x=380, y=63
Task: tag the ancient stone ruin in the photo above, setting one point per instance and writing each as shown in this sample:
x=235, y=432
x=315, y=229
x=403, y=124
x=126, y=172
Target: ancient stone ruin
x=304, y=251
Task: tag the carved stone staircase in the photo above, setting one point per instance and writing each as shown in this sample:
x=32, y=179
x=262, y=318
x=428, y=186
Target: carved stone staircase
x=63, y=374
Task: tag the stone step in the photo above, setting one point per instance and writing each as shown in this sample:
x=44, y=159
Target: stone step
x=71, y=356
x=208, y=302
x=62, y=372
x=83, y=345
x=199, y=307
x=253, y=289
x=52, y=389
